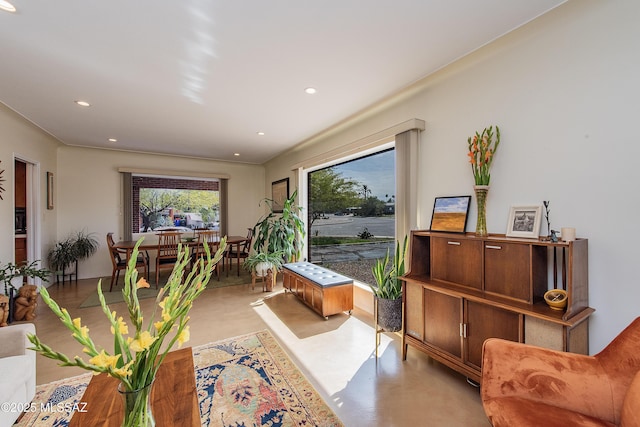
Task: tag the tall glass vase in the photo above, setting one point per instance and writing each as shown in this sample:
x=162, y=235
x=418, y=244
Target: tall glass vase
x=481, y=199
x=137, y=406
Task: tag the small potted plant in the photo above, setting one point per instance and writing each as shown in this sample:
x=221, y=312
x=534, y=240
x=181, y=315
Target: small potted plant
x=259, y=264
x=388, y=288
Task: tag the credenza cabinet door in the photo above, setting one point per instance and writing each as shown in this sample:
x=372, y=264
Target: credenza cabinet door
x=457, y=260
x=443, y=322
x=507, y=270
x=484, y=321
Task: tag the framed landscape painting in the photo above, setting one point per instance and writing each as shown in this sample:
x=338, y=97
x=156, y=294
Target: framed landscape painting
x=450, y=214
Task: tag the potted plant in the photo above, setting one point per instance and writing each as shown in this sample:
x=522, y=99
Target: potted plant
x=71, y=250
x=12, y=276
x=388, y=288
x=259, y=264
x=279, y=234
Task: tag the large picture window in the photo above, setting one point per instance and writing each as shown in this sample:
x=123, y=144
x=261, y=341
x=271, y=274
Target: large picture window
x=160, y=203
x=351, y=208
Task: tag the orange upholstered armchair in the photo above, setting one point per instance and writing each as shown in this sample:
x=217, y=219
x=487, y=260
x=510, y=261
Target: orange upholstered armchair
x=528, y=386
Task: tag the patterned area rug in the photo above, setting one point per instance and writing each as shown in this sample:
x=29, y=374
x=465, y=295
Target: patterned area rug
x=242, y=381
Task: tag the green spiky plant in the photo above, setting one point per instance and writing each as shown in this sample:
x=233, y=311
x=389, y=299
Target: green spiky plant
x=386, y=273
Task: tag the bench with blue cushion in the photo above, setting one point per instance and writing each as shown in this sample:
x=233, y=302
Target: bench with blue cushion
x=323, y=290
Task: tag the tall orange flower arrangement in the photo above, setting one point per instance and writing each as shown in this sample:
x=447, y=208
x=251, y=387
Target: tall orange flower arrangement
x=482, y=150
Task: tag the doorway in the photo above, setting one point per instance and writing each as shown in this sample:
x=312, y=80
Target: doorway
x=27, y=206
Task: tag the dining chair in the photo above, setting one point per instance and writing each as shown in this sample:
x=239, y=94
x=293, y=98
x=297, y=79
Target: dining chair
x=167, y=252
x=212, y=238
x=240, y=250
x=119, y=261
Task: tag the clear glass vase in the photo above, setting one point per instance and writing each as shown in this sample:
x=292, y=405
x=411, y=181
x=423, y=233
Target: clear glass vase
x=481, y=199
x=137, y=406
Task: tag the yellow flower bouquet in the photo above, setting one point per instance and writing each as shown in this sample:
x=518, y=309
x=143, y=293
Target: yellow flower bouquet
x=138, y=353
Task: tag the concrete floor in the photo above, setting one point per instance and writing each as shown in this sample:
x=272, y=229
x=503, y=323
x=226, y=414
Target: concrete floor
x=337, y=355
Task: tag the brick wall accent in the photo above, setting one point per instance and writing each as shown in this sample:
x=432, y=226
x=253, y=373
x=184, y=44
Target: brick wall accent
x=138, y=182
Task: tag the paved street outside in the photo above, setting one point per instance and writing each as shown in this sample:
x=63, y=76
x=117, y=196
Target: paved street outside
x=347, y=225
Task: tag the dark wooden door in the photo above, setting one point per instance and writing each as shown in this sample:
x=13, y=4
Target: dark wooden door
x=457, y=260
x=508, y=270
x=442, y=320
x=484, y=321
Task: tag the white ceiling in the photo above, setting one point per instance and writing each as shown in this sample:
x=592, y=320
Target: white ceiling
x=202, y=77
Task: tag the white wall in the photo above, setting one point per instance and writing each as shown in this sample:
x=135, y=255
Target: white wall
x=19, y=138
x=564, y=90
x=89, y=194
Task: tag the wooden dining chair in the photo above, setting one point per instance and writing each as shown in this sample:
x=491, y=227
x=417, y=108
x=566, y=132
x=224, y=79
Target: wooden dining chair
x=212, y=238
x=167, y=252
x=239, y=251
x=119, y=261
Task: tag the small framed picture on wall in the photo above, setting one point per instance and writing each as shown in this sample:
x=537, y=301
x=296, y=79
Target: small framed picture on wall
x=279, y=193
x=50, y=190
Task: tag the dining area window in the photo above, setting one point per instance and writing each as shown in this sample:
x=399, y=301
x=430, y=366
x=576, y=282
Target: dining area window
x=160, y=203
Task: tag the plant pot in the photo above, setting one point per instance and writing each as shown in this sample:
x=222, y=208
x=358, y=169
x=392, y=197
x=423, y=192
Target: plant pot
x=262, y=268
x=390, y=314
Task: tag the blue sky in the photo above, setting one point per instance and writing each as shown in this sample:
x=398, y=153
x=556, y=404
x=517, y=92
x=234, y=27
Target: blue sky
x=451, y=204
x=377, y=172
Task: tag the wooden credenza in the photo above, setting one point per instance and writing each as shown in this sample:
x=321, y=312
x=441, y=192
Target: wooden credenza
x=461, y=289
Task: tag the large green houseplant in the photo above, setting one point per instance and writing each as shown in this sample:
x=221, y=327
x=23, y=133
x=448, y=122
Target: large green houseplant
x=388, y=288
x=277, y=237
x=280, y=231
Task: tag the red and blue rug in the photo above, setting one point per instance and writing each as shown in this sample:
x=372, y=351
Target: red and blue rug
x=242, y=381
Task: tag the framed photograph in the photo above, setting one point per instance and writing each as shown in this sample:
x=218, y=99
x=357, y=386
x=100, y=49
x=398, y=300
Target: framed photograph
x=49, y=190
x=524, y=221
x=450, y=214
x=279, y=193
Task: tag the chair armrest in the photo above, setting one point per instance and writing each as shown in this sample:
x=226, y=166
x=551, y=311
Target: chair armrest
x=566, y=380
x=14, y=339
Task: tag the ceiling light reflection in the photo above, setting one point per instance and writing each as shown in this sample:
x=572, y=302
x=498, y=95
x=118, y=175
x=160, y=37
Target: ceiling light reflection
x=5, y=5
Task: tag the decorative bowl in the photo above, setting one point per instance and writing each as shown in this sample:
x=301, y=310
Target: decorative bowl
x=556, y=299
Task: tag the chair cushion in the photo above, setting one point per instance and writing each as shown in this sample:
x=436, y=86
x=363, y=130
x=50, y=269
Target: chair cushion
x=319, y=275
x=631, y=406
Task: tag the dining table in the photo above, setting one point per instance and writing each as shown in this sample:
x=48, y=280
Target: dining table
x=129, y=245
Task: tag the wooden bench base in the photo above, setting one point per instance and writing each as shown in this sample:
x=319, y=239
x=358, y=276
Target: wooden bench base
x=325, y=300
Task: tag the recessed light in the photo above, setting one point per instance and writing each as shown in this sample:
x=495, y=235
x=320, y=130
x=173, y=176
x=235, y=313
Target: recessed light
x=82, y=103
x=260, y=133
x=113, y=140
x=310, y=90
x=236, y=154
x=5, y=5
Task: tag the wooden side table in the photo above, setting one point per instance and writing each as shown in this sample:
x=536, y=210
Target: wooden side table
x=174, y=396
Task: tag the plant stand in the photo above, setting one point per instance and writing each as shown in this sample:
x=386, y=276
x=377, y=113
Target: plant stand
x=268, y=281
x=379, y=329
x=70, y=275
